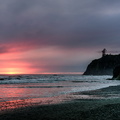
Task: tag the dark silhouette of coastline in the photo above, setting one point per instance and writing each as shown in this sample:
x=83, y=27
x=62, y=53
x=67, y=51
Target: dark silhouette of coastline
x=103, y=66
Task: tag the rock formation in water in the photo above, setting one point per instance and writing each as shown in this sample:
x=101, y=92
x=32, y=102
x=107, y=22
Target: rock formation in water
x=103, y=65
x=116, y=73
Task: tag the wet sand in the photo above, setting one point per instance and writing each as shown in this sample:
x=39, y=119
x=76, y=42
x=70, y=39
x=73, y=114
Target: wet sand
x=102, y=104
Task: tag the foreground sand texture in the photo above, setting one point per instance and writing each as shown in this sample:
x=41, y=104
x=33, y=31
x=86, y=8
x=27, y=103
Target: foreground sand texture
x=105, y=108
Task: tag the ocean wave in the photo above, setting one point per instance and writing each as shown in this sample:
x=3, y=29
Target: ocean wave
x=21, y=79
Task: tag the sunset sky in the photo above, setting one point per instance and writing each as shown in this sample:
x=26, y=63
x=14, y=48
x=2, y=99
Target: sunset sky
x=45, y=36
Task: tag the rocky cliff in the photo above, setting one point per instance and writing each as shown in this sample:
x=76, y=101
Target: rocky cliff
x=103, y=65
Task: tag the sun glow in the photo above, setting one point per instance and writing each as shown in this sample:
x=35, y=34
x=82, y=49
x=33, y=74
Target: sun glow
x=13, y=71
x=15, y=67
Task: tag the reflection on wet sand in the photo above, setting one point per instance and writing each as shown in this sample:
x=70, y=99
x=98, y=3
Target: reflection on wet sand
x=14, y=96
x=15, y=104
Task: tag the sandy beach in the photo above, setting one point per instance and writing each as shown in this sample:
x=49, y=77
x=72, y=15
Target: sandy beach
x=105, y=106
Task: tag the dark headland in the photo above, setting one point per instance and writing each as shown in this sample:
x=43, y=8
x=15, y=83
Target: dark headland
x=103, y=66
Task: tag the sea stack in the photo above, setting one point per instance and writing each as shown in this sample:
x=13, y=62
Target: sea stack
x=116, y=73
x=103, y=66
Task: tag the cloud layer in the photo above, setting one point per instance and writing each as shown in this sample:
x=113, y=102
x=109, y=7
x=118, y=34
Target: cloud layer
x=66, y=25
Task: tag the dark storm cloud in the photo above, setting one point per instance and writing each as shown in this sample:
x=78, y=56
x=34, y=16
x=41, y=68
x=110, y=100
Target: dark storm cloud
x=63, y=23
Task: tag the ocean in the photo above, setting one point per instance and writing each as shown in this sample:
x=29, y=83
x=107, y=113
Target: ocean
x=25, y=90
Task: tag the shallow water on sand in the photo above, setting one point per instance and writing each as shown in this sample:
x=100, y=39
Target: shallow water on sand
x=24, y=90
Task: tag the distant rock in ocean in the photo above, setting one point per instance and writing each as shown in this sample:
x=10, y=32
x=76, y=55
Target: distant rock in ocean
x=116, y=73
x=103, y=66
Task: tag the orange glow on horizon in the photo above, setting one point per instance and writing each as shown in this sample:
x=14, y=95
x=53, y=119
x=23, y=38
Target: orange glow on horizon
x=16, y=68
x=17, y=63
x=13, y=71
x=19, y=70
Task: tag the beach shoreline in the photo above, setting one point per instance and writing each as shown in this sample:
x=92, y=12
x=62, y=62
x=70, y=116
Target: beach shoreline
x=104, y=108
